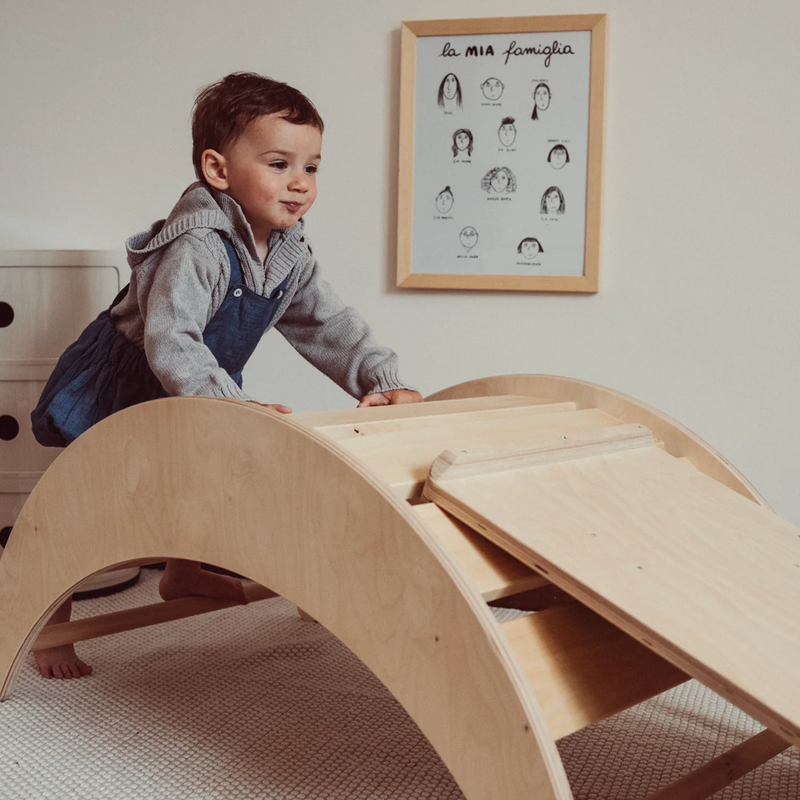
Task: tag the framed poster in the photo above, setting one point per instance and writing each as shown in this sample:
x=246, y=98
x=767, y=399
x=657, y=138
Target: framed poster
x=501, y=144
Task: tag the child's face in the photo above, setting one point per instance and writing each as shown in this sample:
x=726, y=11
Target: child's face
x=553, y=202
x=558, y=158
x=271, y=171
x=469, y=237
x=507, y=134
x=462, y=141
x=530, y=249
x=444, y=202
x=492, y=88
x=542, y=97
x=500, y=181
x=450, y=86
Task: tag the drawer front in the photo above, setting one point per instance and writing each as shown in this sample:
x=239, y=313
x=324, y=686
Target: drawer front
x=19, y=451
x=44, y=309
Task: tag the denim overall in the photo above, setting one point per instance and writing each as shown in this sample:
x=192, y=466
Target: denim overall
x=103, y=372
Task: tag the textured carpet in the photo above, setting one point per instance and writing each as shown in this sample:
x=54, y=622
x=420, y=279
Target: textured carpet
x=255, y=703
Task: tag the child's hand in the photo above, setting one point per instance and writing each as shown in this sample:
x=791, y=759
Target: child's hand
x=391, y=398
x=275, y=407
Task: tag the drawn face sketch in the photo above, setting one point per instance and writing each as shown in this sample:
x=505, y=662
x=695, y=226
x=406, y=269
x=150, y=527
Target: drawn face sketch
x=529, y=248
x=449, y=91
x=462, y=140
x=469, y=238
x=492, y=88
x=507, y=132
x=444, y=200
x=450, y=86
x=499, y=182
x=541, y=96
x=552, y=202
x=558, y=156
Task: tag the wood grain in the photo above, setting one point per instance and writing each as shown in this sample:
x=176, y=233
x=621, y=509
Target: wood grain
x=725, y=769
x=140, y=617
x=463, y=463
x=583, y=669
x=494, y=572
x=348, y=422
x=402, y=458
x=702, y=576
x=237, y=486
x=461, y=27
x=678, y=440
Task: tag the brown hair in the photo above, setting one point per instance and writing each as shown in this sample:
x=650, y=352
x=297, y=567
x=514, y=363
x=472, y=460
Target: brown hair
x=223, y=110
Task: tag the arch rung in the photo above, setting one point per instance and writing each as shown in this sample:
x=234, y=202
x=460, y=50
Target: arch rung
x=141, y=617
x=584, y=669
x=327, y=421
x=512, y=409
x=402, y=458
x=725, y=769
x=494, y=572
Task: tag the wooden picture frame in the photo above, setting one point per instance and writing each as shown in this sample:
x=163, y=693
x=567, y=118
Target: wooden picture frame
x=512, y=68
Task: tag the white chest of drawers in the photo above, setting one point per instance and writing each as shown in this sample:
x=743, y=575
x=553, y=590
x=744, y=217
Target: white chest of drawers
x=47, y=297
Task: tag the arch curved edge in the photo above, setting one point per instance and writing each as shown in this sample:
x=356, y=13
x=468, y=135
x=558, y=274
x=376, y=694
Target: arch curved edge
x=250, y=490
x=678, y=440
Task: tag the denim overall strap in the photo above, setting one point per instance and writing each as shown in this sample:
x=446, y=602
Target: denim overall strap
x=244, y=316
x=236, y=266
x=103, y=372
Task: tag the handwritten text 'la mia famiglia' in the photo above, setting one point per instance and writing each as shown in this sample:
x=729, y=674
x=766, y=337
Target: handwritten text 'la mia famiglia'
x=548, y=50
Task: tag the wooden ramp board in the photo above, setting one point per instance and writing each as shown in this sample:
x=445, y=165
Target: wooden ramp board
x=704, y=577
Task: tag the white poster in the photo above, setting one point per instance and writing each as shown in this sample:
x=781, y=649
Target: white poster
x=500, y=154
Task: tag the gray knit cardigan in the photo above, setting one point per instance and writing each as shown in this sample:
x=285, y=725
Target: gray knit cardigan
x=180, y=276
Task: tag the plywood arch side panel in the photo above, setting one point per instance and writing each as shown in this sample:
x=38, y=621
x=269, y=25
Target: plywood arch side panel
x=678, y=440
x=242, y=487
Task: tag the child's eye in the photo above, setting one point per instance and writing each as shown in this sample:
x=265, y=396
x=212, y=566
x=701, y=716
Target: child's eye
x=312, y=169
x=278, y=164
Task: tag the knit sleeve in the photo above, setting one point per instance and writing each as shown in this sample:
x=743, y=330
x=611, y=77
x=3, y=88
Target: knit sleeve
x=336, y=339
x=176, y=307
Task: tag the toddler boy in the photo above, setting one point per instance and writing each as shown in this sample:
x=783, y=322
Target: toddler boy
x=230, y=262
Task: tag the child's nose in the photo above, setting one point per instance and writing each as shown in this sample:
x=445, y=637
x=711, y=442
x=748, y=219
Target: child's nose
x=299, y=181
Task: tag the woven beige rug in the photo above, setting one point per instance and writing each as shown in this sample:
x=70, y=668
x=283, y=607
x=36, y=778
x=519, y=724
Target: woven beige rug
x=255, y=703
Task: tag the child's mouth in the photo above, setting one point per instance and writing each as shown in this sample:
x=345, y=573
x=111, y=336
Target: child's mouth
x=293, y=207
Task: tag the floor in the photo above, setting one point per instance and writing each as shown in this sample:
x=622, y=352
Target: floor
x=255, y=703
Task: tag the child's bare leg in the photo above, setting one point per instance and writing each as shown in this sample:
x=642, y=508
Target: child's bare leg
x=61, y=662
x=182, y=578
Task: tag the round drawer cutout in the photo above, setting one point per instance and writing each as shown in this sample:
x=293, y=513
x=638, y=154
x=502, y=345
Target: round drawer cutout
x=5, y=533
x=9, y=428
x=6, y=315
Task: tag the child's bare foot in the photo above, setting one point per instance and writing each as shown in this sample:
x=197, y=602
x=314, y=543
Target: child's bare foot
x=183, y=578
x=62, y=661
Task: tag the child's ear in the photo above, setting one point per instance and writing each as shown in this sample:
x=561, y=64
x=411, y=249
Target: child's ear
x=215, y=170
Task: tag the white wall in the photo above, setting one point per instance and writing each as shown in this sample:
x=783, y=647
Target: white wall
x=697, y=310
